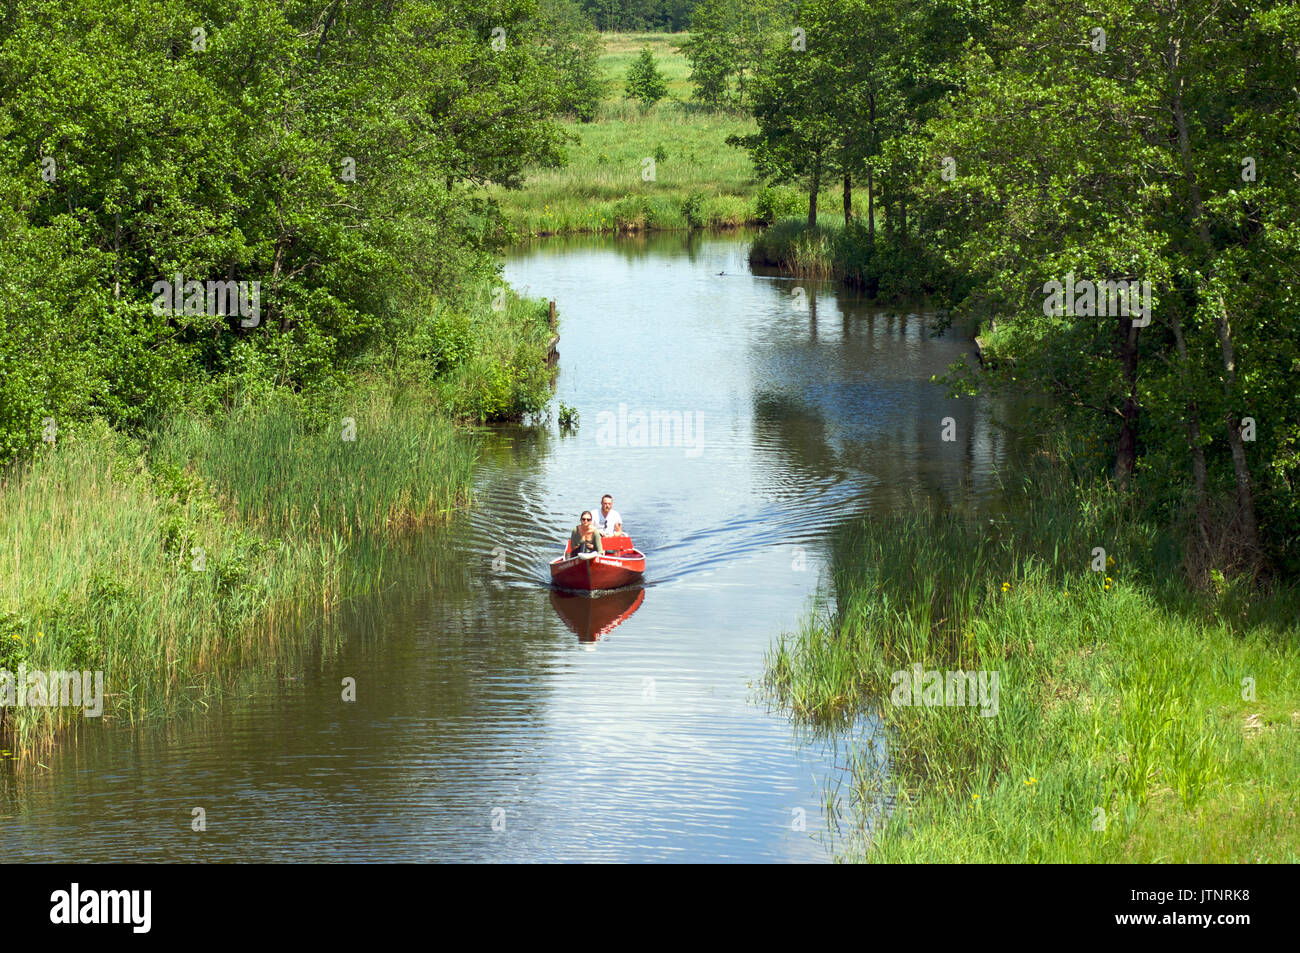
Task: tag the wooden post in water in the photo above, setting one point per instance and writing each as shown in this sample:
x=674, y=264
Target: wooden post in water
x=552, y=352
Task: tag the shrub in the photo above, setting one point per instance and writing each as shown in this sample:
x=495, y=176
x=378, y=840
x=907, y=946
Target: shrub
x=693, y=210
x=777, y=202
x=644, y=81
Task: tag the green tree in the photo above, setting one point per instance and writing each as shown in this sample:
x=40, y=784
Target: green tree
x=332, y=155
x=644, y=81
x=1123, y=157
x=729, y=42
x=571, y=47
x=797, y=103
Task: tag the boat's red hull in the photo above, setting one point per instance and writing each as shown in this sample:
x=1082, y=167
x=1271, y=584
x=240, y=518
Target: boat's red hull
x=620, y=565
x=598, y=572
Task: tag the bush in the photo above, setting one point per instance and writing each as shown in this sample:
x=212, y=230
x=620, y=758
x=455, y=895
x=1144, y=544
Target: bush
x=693, y=210
x=502, y=374
x=633, y=214
x=644, y=81
x=777, y=202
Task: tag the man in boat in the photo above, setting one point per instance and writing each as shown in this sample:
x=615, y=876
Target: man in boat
x=608, y=521
x=586, y=538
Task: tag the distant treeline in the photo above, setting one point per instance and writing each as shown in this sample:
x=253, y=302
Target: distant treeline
x=640, y=15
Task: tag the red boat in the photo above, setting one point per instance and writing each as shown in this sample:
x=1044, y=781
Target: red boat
x=594, y=617
x=620, y=565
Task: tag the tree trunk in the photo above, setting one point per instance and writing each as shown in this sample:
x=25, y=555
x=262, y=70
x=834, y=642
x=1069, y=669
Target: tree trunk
x=848, y=199
x=1240, y=467
x=813, y=189
x=871, y=207
x=1126, y=451
x=871, y=185
x=1193, y=436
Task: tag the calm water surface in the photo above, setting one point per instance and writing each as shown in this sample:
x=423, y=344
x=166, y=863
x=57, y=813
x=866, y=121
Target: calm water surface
x=488, y=725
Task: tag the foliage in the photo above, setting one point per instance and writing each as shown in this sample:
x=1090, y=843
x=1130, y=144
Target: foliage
x=632, y=15
x=965, y=121
x=571, y=47
x=730, y=41
x=1159, y=192
x=335, y=159
x=1117, y=736
x=644, y=81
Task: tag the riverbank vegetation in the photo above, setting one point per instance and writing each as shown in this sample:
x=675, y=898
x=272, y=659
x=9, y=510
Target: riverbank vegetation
x=1135, y=719
x=891, y=270
x=1144, y=279
x=250, y=300
x=1111, y=190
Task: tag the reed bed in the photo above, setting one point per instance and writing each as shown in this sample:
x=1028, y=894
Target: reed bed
x=167, y=566
x=169, y=562
x=887, y=266
x=377, y=463
x=791, y=246
x=101, y=571
x=1126, y=729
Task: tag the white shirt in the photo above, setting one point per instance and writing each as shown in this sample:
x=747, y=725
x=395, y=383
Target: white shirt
x=605, y=523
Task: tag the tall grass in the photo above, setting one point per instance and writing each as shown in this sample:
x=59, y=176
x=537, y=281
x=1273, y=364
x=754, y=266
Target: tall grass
x=887, y=267
x=1125, y=731
x=167, y=566
x=101, y=571
x=792, y=246
x=384, y=461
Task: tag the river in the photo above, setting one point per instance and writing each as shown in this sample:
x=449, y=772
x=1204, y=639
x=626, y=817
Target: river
x=489, y=723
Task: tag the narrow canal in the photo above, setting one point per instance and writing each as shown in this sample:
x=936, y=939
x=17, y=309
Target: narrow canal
x=737, y=420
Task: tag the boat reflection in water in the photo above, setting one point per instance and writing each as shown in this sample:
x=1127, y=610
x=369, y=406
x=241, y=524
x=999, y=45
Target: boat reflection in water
x=594, y=617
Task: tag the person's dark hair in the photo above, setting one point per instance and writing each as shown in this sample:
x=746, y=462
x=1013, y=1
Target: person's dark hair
x=606, y=497
x=586, y=513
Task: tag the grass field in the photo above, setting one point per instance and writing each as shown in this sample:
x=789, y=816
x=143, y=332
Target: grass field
x=698, y=180
x=1138, y=721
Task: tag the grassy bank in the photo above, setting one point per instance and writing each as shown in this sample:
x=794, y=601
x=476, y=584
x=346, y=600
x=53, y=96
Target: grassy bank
x=699, y=180
x=887, y=267
x=1137, y=720
x=168, y=559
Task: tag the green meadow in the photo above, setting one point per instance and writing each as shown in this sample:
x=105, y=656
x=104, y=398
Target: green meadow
x=699, y=181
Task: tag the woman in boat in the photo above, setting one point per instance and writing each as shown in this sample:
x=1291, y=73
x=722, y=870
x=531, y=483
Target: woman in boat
x=585, y=538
